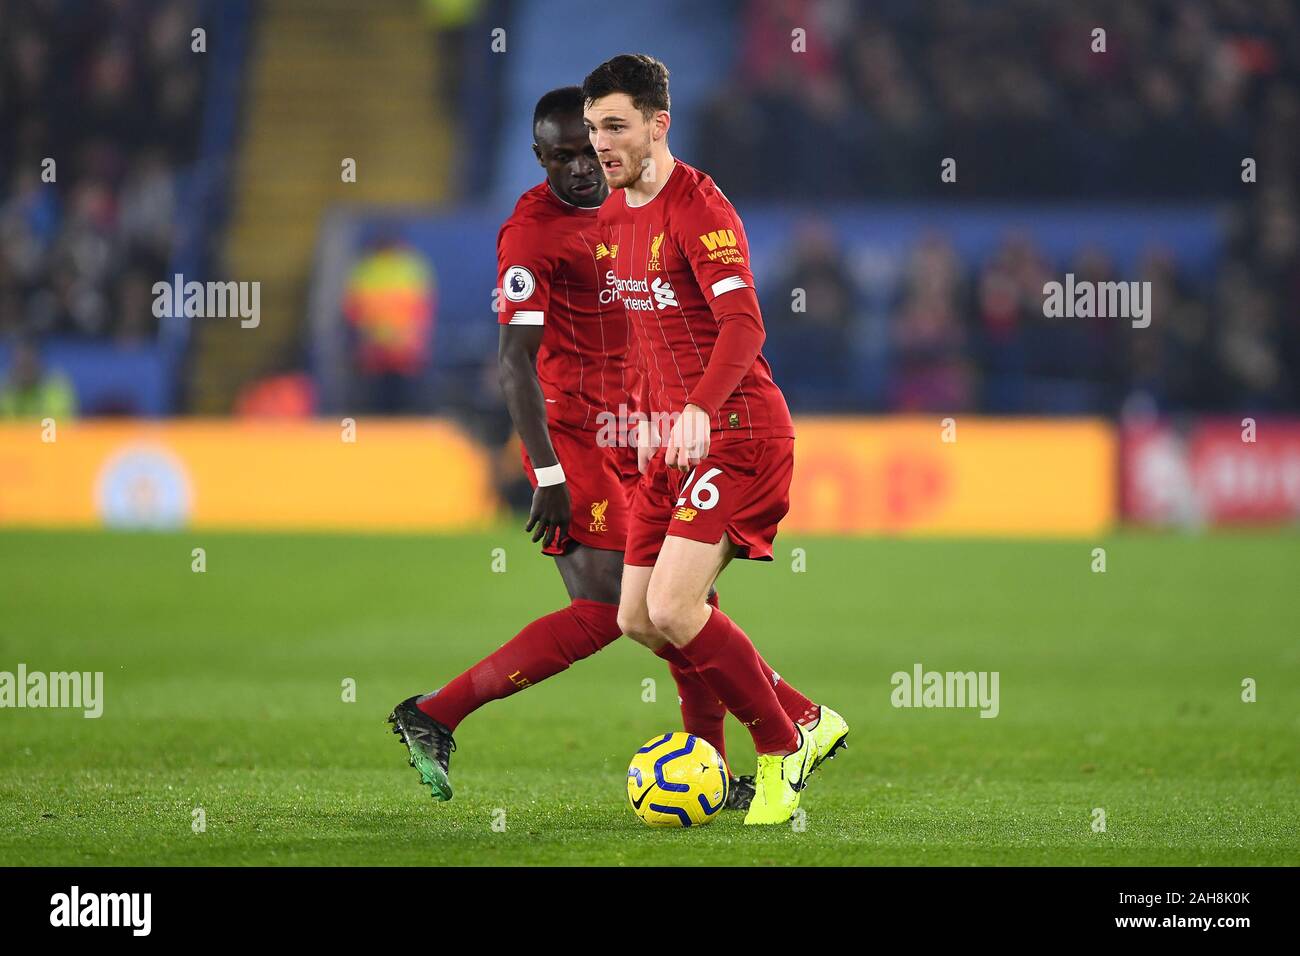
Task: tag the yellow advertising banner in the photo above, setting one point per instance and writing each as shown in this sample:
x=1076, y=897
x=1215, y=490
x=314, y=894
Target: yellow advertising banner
x=374, y=475
x=904, y=476
x=963, y=476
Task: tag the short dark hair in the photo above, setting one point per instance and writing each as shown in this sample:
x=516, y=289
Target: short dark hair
x=641, y=77
x=567, y=100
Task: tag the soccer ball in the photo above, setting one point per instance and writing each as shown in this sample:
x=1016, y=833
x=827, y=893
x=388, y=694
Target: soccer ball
x=677, y=780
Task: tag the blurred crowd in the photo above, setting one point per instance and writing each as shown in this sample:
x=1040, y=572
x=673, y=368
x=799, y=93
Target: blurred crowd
x=110, y=92
x=1013, y=90
x=932, y=332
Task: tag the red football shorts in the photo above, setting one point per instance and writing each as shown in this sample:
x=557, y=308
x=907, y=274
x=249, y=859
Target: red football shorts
x=742, y=490
x=597, y=480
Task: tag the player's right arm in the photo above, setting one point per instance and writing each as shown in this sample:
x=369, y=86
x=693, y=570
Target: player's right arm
x=524, y=281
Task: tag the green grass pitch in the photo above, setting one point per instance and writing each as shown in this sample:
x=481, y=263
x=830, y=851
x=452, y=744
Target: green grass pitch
x=1119, y=691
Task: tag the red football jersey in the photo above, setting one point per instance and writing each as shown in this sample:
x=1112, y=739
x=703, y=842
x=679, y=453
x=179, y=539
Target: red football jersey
x=668, y=260
x=549, y=275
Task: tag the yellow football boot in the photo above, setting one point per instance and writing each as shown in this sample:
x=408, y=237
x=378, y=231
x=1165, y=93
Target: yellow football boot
x=777, y=783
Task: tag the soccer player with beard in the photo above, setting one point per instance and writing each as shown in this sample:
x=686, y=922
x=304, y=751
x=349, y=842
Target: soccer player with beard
x=717, y=479
x=563, y=345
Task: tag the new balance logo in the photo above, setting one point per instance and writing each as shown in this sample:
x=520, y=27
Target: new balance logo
x=664, y=294
x=603, y=250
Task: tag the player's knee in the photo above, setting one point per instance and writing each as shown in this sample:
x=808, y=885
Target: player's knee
x=635, y=623
x=669, y=615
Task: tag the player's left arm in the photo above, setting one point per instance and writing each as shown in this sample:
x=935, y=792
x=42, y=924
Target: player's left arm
x=525, y=271
x=714, y=243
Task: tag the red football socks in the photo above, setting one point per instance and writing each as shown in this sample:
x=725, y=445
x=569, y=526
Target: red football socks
x=725, y=658
x=796, y=706
x=702, y=713
x=705, y=716
x=541, y=650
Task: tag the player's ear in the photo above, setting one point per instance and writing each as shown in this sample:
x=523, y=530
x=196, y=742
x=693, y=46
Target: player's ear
x=663, y=120
x=537, y=151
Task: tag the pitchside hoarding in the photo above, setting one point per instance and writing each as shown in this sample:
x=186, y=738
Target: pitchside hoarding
x=365, y=475
x=1212, y=472
x=852, y=476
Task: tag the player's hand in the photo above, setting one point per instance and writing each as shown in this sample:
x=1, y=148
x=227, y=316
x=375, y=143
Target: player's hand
x=550, y=514
x=688, y=442
x=646, y=445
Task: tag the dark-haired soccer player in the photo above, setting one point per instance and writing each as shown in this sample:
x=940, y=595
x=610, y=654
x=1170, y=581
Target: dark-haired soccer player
x=563, y=345
x=719, y=483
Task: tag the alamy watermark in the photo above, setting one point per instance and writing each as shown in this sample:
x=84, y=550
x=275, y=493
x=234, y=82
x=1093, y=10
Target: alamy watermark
x=209, y=300
x=619, y=429
x=1100, y=300
x=75, y=908
x=922, y=688
x=59, y=689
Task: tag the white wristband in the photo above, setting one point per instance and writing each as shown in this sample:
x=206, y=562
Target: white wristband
x=551, y=475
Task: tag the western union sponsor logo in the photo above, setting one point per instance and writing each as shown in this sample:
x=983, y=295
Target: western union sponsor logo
x=718, y=239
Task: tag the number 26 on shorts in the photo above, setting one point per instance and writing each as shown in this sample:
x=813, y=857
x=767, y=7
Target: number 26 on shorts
x=704, y=495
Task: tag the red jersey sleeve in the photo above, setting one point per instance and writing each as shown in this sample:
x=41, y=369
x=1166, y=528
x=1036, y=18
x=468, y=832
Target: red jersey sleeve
x=713, y=240
x=714, y=243
x=525, y=268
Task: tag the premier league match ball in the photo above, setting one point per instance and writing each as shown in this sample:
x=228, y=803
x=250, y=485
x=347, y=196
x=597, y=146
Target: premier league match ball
x=677, y=780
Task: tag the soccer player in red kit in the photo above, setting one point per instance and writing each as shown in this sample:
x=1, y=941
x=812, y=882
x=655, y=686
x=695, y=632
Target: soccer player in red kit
x=719, y=456
x=563, y=345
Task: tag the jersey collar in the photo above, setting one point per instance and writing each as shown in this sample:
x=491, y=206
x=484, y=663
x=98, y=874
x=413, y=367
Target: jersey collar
x=677, y=164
